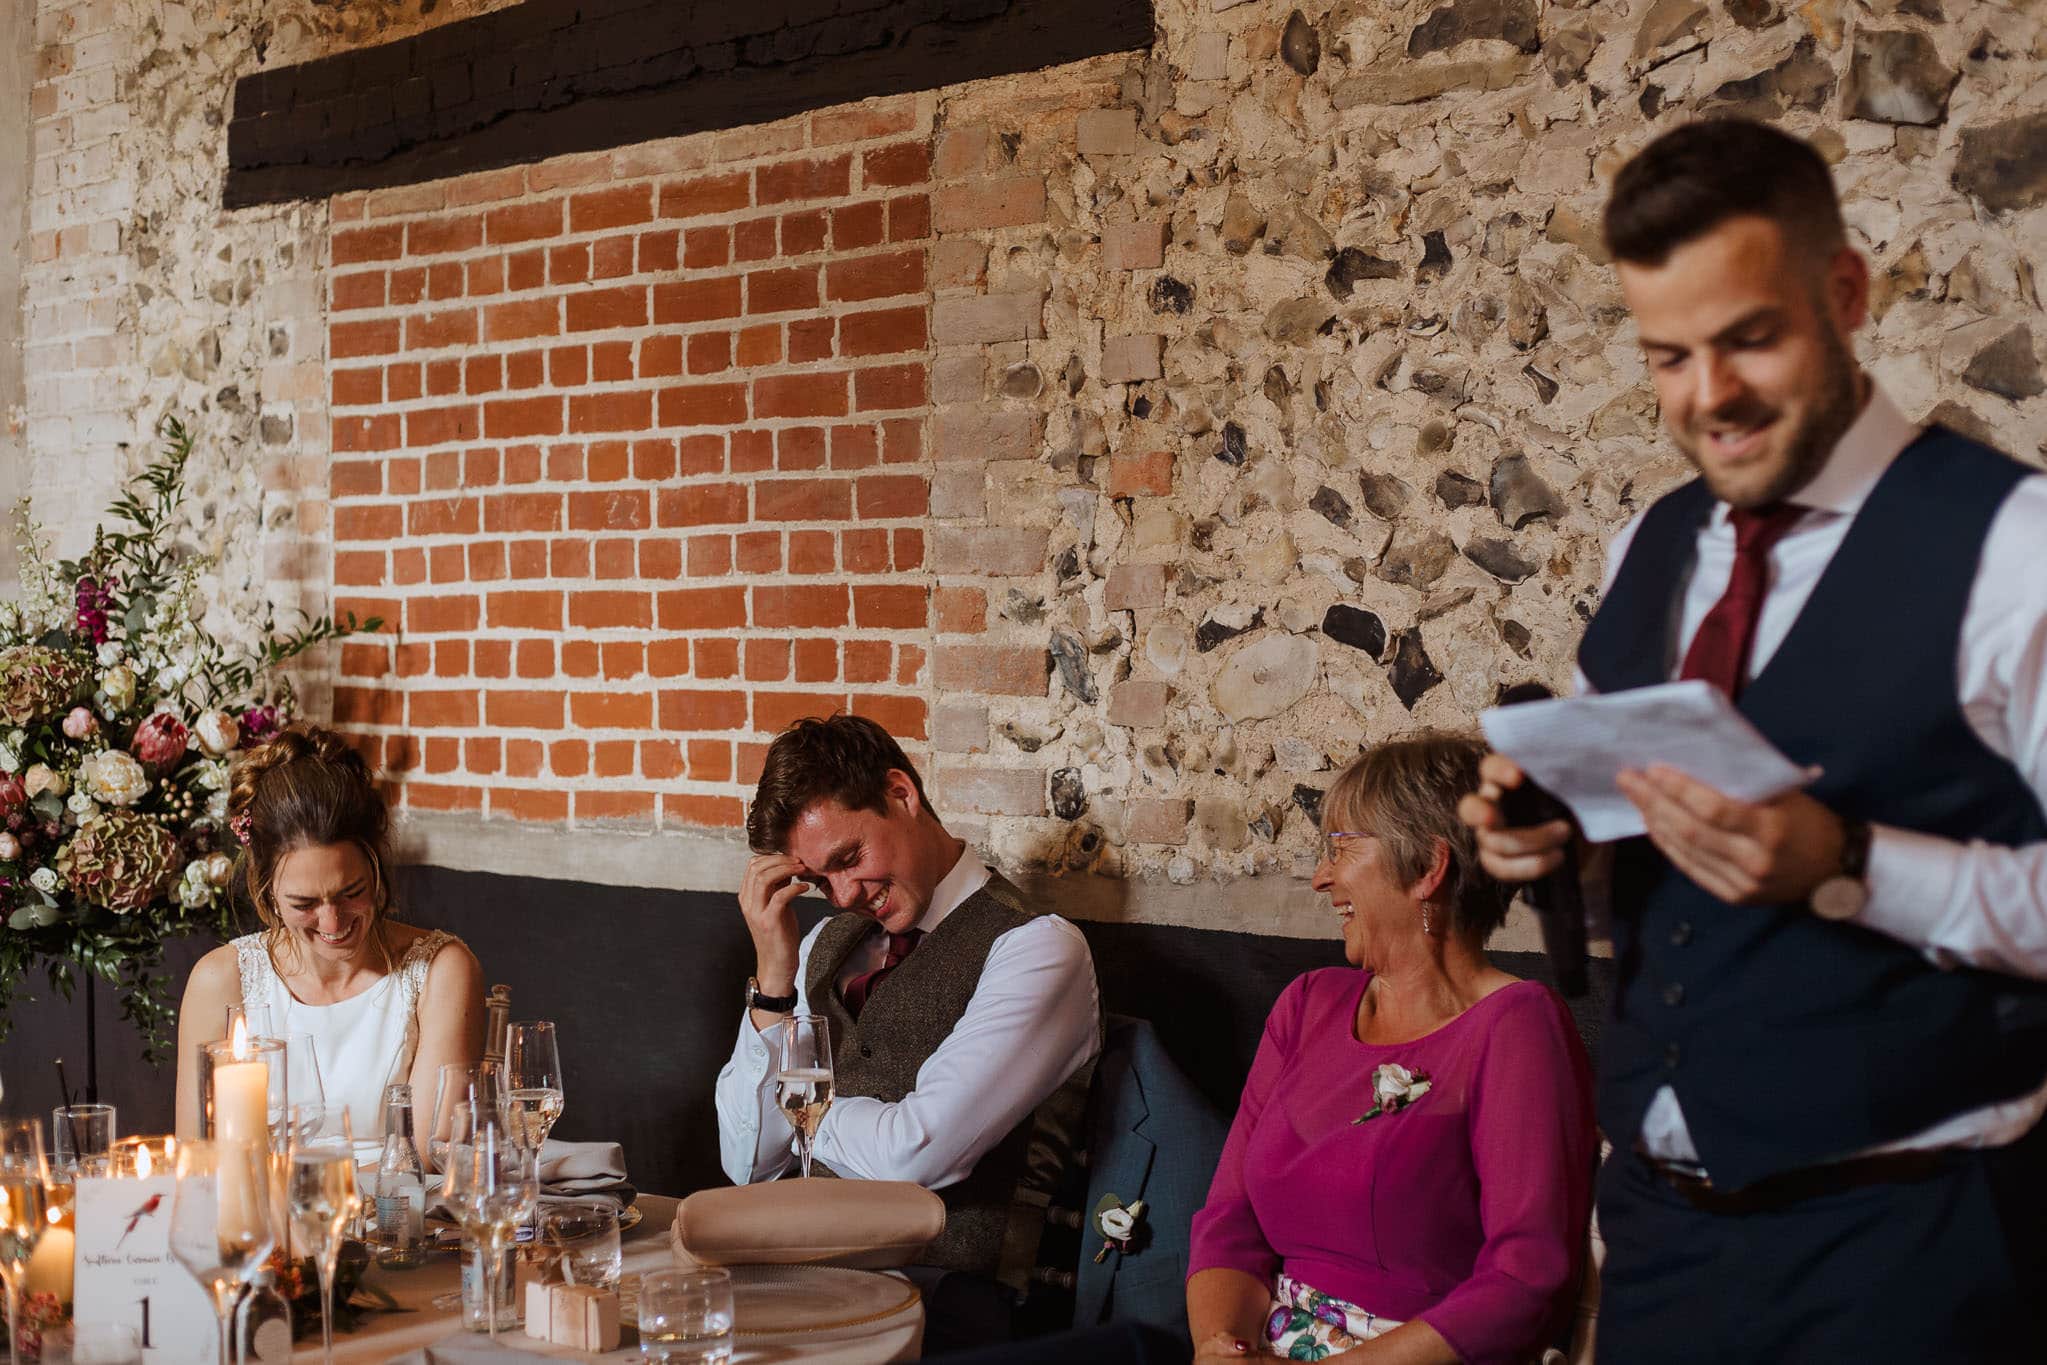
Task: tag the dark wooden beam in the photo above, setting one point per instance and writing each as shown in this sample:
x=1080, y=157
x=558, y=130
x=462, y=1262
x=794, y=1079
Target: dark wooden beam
x=549, y=77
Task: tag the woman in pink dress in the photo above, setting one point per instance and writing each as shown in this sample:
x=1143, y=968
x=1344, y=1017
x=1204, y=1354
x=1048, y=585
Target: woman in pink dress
x=1409, y=1175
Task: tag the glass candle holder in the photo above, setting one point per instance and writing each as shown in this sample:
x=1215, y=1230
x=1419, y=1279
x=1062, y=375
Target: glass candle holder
x=139, y=1158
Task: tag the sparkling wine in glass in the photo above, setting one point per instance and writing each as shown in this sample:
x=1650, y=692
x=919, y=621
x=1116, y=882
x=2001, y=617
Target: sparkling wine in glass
x=533, y=1080
x=321, y=1193
x=220, y=1220
x=803, y=1077
x=24, y=1196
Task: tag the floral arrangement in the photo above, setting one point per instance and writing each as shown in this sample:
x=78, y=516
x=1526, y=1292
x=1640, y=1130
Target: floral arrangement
x=118, y=719
x=1394, y=1088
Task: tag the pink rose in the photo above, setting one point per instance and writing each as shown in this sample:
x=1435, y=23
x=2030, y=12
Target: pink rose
x=159, y=742
x=13, y=796
x=79, y=723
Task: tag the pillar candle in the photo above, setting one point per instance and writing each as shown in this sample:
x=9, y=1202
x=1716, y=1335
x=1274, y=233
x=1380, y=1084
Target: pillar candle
x=244, y=1193
x=49, y=1266
x=241, y=1102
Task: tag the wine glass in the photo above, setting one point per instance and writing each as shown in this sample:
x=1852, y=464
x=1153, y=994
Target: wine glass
x=803, y=1077
x=220, y=1220
x=302, y=1070
x=469, y=1087
x=493, y=1184
x=24, y=1182
x=321, y=1195
x=533, y=1080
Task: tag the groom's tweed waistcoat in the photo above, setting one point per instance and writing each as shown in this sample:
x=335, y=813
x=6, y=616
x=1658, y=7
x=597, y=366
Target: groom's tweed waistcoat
x=992, y=1218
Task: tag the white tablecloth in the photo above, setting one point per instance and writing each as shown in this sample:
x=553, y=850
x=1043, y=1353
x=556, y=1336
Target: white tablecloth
x=425, y=1335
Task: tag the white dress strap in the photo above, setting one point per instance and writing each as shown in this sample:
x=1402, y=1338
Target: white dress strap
x=258, y=977
x=412, y=972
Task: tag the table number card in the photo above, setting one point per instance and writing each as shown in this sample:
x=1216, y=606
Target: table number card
x=125, y=1272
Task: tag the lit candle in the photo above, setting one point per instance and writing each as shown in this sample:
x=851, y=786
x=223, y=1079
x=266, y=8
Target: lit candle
x=49, y=1267
x=241, y=1095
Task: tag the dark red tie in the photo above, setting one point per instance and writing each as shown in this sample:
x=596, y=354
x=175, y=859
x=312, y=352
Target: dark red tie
x=860, y=987
x=1719, y=652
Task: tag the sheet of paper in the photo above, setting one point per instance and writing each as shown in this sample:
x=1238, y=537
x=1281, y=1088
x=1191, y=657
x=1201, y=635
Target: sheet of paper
x=1576, y=746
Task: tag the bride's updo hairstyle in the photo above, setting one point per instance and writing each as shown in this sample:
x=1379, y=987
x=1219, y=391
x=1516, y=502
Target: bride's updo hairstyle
x=303, y=788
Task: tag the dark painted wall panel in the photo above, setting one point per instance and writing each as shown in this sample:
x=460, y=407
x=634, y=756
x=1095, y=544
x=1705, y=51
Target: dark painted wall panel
x=645, y=987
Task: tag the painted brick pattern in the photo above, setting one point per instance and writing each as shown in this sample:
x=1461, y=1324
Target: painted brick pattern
x=634, y=449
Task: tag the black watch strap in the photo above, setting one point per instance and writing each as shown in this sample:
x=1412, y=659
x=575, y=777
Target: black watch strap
x=1855, y=849
x=773, y=1004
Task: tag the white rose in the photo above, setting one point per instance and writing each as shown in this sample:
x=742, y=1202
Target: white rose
x=1391, y=1082
x=43, y=879
x=114, y=777
x=110, y=653
x=119, y=685
x=10, y=847
x=82, y=805
x=43, y=778
x=218, y=732
x=10, y=761
x=1118, y=1224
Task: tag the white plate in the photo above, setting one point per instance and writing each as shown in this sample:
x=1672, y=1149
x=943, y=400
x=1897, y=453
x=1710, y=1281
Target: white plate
x=792, y=1300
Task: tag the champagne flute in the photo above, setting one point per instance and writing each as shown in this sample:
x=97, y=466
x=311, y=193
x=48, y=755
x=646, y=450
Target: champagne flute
x=322, y=1196
x=803, y=1077
x=24, y=1182
x=533, y=1080
x=472, y=1089
x=493, y=1182
x=220, y=1220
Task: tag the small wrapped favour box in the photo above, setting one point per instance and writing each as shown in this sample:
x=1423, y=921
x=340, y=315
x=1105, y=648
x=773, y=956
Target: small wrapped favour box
x=583, y=1317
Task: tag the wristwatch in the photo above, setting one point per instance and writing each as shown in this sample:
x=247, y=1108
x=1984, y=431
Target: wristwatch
x=1843, y=895
x=773, y=1004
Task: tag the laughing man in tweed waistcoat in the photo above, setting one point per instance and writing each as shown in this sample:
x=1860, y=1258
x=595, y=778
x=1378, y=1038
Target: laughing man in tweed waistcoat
x=964, y=1021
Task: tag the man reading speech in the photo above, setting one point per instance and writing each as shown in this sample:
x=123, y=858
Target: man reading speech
x=1827, y=1065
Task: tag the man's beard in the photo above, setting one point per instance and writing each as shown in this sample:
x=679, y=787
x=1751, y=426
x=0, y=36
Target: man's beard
x=1836, y=404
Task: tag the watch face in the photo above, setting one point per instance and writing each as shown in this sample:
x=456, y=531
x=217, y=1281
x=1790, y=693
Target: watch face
x=1840, y=898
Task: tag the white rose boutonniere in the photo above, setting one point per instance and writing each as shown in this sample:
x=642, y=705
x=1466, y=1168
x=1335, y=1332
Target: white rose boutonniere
x=114, y=777
x=1118, y=1224
x=1394, y=1087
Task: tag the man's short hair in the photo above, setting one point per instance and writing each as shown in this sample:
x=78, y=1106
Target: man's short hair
x=1697, y=176
x=841, y=758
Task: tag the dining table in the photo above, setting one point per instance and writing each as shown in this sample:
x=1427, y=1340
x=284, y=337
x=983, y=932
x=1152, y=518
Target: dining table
x=425, y=1327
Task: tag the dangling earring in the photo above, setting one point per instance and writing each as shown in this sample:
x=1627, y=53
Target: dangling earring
x=1426, y=927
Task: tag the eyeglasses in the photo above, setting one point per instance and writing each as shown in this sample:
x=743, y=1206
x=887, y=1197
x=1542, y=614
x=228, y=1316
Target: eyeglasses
x=1332, y=842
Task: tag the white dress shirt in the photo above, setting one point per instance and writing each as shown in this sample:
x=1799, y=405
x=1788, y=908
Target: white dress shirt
x=1033, y=1021
x=1959, y=902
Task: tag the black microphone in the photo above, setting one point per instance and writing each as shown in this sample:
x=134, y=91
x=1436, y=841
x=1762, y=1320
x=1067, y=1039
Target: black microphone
x=1559, y=898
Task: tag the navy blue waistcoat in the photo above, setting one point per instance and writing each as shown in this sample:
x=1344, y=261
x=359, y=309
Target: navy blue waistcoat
x=1790, y=1040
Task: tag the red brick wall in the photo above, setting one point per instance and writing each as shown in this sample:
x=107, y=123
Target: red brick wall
x=633, y=451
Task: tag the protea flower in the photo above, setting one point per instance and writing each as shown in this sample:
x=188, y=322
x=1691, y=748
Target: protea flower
x=160, y=742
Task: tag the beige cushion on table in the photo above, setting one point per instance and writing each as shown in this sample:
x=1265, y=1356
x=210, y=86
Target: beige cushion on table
x=865, y=1224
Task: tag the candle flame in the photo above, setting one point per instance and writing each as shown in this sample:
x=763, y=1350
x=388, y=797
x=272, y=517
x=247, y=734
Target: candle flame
x=240, y=1044
x=56, y=1215
x=143, y=1164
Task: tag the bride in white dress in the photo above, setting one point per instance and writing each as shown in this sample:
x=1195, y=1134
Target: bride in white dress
x=382, y=1001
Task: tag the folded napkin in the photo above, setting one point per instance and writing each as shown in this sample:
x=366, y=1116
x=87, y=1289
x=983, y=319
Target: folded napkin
x=580, y=1169
x=865, y=1224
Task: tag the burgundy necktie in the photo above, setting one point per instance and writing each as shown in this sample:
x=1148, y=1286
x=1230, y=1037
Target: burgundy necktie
x=860, y=987
x=1719, y=652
